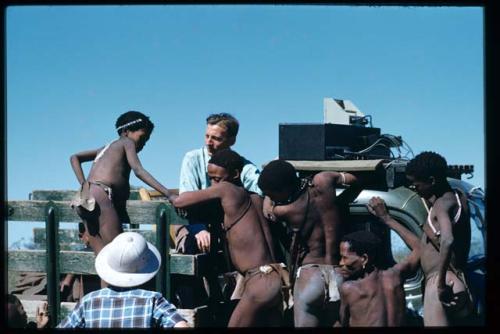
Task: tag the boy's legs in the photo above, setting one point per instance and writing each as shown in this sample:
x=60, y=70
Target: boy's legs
x=261, y=302
x=104, y=225
x=309, y=297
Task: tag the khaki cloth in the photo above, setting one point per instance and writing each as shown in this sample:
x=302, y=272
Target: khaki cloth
x=83, y=198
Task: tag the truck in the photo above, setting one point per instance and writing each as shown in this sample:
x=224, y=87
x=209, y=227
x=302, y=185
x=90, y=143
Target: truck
x=347, y=141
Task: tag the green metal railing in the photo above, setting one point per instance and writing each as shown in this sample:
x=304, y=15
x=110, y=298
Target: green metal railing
x=53, y=265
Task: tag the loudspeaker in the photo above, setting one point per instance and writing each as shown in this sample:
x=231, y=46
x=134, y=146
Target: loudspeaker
x=303, y=141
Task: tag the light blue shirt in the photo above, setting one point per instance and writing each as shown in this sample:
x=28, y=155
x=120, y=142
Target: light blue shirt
x=194, y=174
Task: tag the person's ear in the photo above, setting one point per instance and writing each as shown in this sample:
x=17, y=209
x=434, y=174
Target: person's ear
x=236, y=174
x=364, y=260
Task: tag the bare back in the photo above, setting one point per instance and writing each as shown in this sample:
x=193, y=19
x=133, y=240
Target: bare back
x=112, y=169
x=316, y=214
x=377, y=299
x=249, y=238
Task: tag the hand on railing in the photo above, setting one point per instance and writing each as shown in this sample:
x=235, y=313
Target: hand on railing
x=42, y=316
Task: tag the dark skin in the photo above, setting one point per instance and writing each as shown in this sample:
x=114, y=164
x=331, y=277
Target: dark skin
x=113, y=169
x=326, y=229
x=454, y=240
x=373, y=297
x=17, y=317
x=250, y=246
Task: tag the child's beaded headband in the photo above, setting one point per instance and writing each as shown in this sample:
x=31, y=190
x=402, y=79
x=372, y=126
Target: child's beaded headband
x=129, y=124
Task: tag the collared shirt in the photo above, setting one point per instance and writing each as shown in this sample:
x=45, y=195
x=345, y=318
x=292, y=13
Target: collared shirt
x=122, y=308
x=194, y=173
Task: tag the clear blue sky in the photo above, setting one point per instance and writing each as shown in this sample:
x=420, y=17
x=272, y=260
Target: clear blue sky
x=72, y=70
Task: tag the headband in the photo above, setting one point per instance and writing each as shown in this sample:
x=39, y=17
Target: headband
x=129, y=124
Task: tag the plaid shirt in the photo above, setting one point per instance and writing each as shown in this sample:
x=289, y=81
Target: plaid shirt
x=122, y=308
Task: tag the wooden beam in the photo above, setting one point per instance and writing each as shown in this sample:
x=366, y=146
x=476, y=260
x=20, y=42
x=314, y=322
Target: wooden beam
x=140, y=212
x=80, y=262
x=69, y=240
x=336, y=165
x=68, y=195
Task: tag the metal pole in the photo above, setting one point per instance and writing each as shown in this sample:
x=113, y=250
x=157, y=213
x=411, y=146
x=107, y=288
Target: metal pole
x=131, y=225
x=162, y=228
x=52, y=263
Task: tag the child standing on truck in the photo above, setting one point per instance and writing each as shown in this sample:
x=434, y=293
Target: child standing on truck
x=101, y=202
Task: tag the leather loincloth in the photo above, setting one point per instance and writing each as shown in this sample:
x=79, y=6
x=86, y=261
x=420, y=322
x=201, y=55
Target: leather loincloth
x=331, y=279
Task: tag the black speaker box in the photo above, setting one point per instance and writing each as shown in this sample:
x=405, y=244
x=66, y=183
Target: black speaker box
x=303, y=141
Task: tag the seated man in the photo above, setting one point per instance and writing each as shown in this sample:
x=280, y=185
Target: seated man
x=311, y=209
x=249, y=241
x=371, y=296
x=125, y=264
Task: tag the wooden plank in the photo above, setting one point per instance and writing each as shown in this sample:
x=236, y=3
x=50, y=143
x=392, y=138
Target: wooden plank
x=68, y=238
x=140, y=212
x=195, y=317
x=79, y=262
x=68, y=195
x=336, y=165
x=52, y=195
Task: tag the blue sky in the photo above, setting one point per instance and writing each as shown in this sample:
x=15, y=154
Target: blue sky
x=72, y=70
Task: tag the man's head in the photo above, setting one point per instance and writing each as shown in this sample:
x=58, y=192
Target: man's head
x=225, y=165
x=425, y=171
x=128, y=261
x=16, y=315
x=358, y=250
x=221, y=132
x=278, y=180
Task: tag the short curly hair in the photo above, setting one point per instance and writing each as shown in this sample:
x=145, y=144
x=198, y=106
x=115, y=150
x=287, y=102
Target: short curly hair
x=427, y=164
x=227, y=159
x=278, y=175
x=133, y=121
x=363, y=242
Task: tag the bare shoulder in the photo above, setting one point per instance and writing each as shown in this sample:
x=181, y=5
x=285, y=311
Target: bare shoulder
x=348, y=287
x=229, y=189
x=124, y=141
x=391, y=278
x=325, y=177
x=256, y=198
x=390, y=273
x=445, y=202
